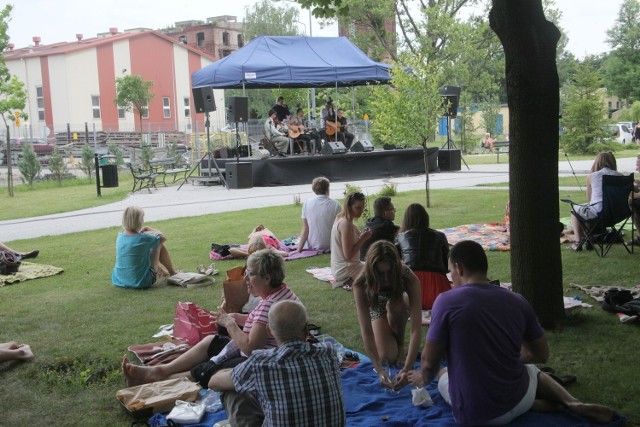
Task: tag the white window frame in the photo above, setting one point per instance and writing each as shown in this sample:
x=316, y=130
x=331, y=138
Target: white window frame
x=95, y=106
x=166, y=107
x=40, y=102
x=187, y=106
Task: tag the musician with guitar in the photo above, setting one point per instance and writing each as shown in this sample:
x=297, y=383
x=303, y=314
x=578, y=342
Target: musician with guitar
x=347, y=137
x=328, y=122
x=300, y=131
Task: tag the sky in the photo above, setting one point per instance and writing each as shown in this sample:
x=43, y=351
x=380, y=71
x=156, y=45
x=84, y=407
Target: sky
x=585, y=21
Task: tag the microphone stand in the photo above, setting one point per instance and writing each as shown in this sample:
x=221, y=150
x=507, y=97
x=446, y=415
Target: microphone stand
x=572, y=170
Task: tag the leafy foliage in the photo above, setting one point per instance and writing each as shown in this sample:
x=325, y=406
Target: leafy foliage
x=268, y=19
x=133, y=93
x=29, y=166
x=88, y=163
x=584, y=114
x=57, y=166
x=116, y=151
x=622, y=68
x=490, y=113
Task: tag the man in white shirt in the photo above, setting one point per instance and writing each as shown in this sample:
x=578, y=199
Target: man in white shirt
x=318, y=215
x=275, y=135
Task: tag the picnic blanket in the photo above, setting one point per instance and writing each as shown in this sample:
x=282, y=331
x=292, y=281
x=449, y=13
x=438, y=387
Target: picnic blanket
x=28, y=271
x=289, y=245
x=492, y=236
x=597, y=292
x=367, y=404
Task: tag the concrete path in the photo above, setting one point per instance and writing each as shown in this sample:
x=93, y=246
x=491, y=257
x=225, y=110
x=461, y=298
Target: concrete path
x=192, y=200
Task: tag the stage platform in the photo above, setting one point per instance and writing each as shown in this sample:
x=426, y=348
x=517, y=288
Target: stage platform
x=301, y=169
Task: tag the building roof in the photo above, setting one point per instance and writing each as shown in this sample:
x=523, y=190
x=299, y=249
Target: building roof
x=64, y=48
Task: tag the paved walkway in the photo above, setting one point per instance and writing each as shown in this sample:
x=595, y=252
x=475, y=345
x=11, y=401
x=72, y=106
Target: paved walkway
x=193, y=200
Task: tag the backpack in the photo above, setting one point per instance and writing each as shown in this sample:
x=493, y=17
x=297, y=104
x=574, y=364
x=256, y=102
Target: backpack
x=620, y=301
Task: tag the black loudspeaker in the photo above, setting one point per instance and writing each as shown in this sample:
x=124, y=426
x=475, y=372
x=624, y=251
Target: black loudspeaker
x=239, y=174
x=360, y=146
x=449, y=160
x=333, y=147
x=238, y=109
x=203, y=99
x=450, y=99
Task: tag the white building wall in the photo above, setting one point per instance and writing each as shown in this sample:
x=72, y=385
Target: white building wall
x=182, y=87
x=29, y=72
x=122, y=62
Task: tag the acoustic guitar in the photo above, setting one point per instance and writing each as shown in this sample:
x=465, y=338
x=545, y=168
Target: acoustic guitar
x=331, y=127
x=296, y=130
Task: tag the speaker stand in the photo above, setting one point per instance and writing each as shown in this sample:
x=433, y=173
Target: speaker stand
x=449, y=144
x=210, y=159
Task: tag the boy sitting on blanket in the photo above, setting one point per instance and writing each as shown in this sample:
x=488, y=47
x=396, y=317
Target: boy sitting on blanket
x=497, y=381
x=260, y=238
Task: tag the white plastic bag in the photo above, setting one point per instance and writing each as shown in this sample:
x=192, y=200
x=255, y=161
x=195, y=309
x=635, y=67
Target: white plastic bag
x=421, y=397
x=186, y=412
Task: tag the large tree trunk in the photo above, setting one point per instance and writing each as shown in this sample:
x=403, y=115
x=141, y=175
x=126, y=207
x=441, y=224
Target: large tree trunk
x=529, y=42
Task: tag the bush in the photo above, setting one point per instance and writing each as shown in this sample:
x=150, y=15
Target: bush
x=29, y=166
x=388, y=190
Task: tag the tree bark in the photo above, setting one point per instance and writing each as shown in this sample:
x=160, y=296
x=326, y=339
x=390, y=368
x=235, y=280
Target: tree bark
x=9, y=166
x=529, y=42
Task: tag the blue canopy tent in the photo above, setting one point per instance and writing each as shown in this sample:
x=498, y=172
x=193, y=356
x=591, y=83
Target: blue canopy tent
x=293, y=62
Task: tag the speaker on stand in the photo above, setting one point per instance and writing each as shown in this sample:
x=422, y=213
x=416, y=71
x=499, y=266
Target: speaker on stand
x=203, y=99
x=449, y=159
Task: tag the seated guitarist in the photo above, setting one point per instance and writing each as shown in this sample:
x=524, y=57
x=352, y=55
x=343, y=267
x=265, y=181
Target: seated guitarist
x=299, y=130
x=328, y=122
x=344, y=136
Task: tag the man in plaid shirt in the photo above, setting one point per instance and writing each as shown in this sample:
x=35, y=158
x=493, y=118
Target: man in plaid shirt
x=296, y=384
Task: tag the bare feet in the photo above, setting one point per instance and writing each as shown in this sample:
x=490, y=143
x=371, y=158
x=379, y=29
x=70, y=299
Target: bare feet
x=137, y=375
x=597, y=413
x=24, y=352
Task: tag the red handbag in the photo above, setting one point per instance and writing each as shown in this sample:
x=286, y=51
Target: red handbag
x=192, y=323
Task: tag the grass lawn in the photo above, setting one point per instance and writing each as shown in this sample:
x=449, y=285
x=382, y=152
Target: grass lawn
x=79, y=325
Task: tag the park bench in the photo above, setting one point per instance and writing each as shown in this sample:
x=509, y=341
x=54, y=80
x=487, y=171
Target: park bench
x=167, y=167
x=501, y=147
x=142, y=178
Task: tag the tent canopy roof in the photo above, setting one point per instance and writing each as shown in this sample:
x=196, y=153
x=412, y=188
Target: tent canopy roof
x=294, y=62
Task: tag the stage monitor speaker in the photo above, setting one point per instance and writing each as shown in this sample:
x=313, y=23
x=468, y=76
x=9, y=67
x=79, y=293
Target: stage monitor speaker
x=203, y=99
x=360, y=146
x=333, y=147
x=449, y=160
x=239, y=174
x=450, y=100
x=238, y=109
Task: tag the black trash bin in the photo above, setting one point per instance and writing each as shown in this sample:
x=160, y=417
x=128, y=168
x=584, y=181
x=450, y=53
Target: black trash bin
x=109, y=171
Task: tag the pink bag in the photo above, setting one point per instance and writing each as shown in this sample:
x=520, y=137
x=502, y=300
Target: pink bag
x=192, y=323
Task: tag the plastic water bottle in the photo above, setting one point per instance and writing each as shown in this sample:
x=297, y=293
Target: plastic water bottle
x=212, y=401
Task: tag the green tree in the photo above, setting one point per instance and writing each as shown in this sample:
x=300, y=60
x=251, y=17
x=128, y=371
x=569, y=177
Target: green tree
x=29, y=166
x=12, y=94
x=133, y=93
x=57, y=167
x=268, y=19
x=88, y=163
x=490, y=113
x=584, y=114
x=116, y=151
x=622, y=68
x=409, y=110
x=146, y=155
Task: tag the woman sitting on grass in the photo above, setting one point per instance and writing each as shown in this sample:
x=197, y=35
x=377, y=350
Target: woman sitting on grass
x=425, y=251
x=141, y=253
x=260, y=238
x=346, y=241
x=265, y=278
x=386, y=294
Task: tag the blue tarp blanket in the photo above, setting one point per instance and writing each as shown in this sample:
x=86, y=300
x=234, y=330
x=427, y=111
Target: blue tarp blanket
x=367, y=404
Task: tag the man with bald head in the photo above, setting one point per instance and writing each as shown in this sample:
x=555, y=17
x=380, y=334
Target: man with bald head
x=267, y=388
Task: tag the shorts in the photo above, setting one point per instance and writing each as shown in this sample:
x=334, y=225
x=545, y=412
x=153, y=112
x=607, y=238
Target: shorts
x=521, y=407
x=203, y=372
x=586, y=211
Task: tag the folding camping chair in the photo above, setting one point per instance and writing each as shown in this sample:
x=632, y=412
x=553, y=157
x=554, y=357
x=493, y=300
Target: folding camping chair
x=606, y=229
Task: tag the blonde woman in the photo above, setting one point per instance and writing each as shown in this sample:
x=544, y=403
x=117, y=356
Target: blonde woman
x=141, y=253
x=346, y=241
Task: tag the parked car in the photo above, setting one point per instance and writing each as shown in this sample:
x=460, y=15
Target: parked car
x=619, y=133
